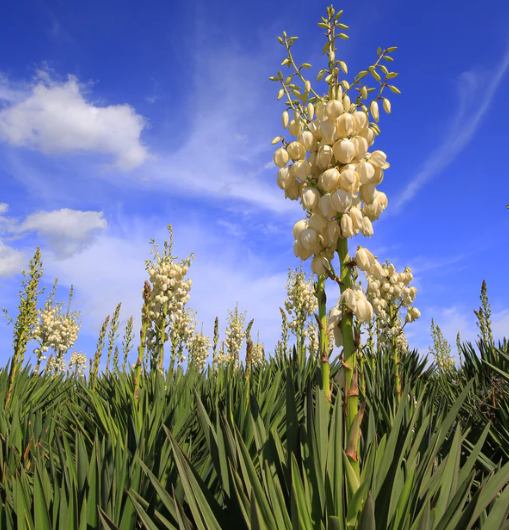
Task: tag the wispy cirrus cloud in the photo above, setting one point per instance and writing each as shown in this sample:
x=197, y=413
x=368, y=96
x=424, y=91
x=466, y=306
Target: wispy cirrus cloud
x=475, y=98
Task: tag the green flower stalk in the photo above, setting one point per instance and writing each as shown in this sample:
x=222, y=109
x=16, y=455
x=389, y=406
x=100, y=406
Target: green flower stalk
x=440, y=350
x=112, y=336
x=282, y=345
x=127, y=342
x=26, y=319
x=145, y=322
x=483, y=315
x=349, y=364
x=323, y=336
x=99, y=351
x=215, y=341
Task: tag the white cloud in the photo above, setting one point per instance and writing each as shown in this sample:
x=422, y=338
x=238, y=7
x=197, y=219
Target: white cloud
x=66, y=231
x=56, y=118
x=475, y=97
x=11, y=260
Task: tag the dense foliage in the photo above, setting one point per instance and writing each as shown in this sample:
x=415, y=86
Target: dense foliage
x=259, y=449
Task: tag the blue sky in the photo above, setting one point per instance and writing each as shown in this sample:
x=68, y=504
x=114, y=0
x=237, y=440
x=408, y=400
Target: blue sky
x=184, y=116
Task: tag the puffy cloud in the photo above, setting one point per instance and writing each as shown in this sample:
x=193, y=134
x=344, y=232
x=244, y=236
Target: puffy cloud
x=66, y=231
x=11, y=260
x=56, y=118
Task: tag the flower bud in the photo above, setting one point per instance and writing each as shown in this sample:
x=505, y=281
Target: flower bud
x=361, y=146
x=282, y=177
x=368, y=134
x=329, y=179
x=349, y=299
x=367, y=193
x=309, y=240
x=295, y=128
x=301, y=169
x=320, y=111
x=299, y=251
x=333, y=233
x=412, y=314
x=387, y=105
x=307, y=85
x=346, y=102
x=317, y=223
x=365, y=171
x=356, y=216
x=345, y=125
x=341, y=200
x=344, y=151
x=348, y=180
x=296, y=151
x=281, y=157
x=346, y=226
x=324, y=156
x=364, y=259
x=318, y=265
x=311, y=111
x=334, y=109
x=325, y=207
x=378, y=176
x=310, y=198
x=363, y=309
x=298, y=227
x=307, y=140
x=373, y=108
x=367, y=227
x=360, y=121
x=292, y=190
x=285, y=118
x=328, y=131
x=379, y=159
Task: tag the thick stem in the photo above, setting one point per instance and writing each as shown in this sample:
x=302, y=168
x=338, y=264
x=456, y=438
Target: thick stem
x=323, y=336
x=395, y=351
x=139, y=360
x=350, y=369
x=162, y=339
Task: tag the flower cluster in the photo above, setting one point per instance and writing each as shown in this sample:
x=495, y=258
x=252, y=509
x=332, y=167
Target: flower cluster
x=55, y=330
x=169, y=293
x=182, y=329
x=78, y=363
x=387, y=287
x=55, y=365
x=221, y=357
x=235, y=334
x=355, y=301
x=300, y=302
x=170, y=288
x=329, y=168
x=313, y=339
x=199, y=346
x=257, y=354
